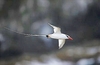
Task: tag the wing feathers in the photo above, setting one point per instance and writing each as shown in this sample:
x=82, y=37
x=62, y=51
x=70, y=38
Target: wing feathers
x=61, y=43
x=56, y=29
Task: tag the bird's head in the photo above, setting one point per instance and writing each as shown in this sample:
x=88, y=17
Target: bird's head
x=69, y=37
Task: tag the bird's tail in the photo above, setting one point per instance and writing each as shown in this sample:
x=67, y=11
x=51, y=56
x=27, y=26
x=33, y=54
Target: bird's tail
x=29, y=35
x=26, y=35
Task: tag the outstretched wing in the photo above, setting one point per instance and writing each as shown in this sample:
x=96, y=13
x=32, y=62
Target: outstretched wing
x=61, y=43
x=56, y=29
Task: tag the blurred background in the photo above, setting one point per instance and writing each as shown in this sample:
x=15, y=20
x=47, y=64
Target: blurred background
x=77, y=18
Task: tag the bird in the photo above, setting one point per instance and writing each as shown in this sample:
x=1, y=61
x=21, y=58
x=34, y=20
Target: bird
x=57, y=34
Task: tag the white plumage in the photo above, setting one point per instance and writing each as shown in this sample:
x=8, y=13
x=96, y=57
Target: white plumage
x=58, y=35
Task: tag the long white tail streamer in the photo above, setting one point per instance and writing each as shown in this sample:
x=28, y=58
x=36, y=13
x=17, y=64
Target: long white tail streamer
x=27, y=35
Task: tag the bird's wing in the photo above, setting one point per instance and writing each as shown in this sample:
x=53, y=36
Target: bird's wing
x=56, y=29
x=61, y=43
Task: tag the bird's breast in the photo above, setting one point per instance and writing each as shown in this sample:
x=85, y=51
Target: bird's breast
x=58, y=36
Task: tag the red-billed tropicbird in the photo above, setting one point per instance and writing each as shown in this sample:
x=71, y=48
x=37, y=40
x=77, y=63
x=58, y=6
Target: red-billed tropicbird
x=56, y=35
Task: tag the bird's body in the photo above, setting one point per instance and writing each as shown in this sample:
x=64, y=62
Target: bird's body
x=56, y=35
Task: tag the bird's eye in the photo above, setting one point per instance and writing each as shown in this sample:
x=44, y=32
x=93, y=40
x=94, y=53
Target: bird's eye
x=67, y=36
